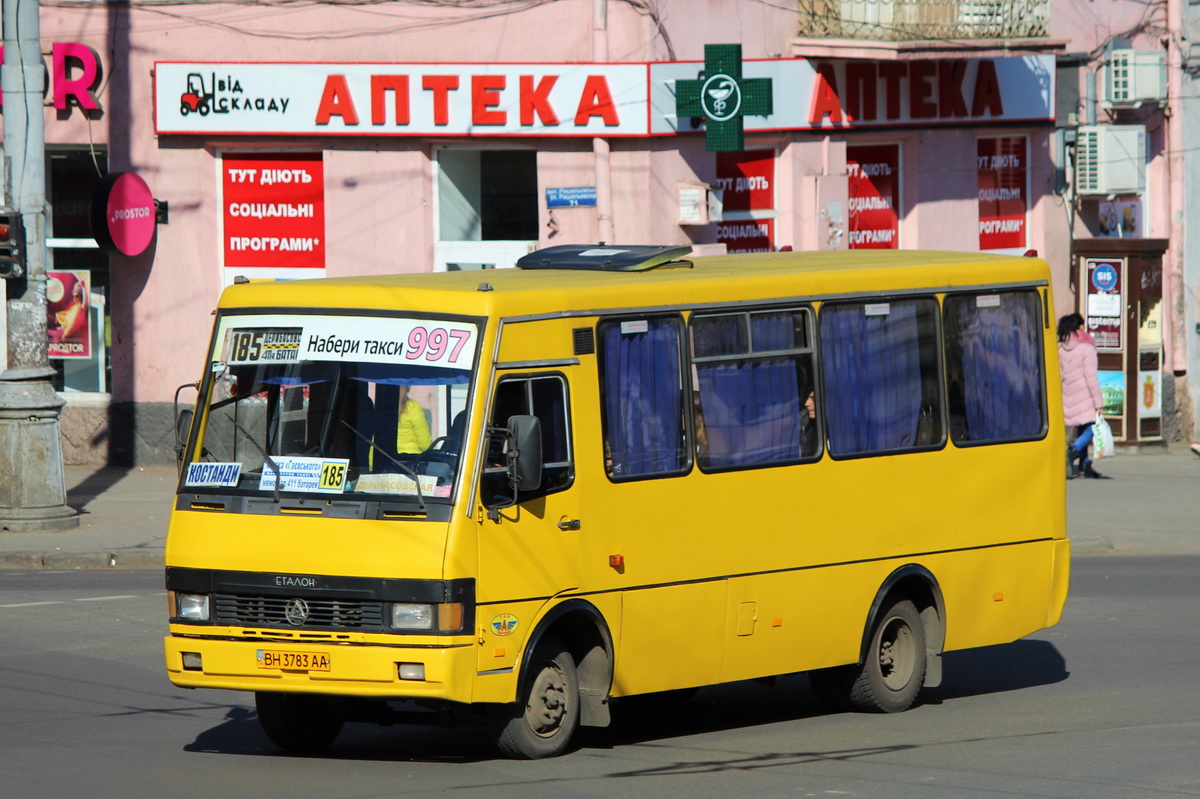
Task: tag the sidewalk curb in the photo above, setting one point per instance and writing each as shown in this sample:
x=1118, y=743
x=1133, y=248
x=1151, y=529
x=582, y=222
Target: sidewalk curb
x=115, y=559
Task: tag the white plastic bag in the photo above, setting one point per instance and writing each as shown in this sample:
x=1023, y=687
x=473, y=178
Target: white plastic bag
x=1102, y=439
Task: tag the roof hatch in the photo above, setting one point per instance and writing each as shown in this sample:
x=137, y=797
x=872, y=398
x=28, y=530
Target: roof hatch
x=605, y=257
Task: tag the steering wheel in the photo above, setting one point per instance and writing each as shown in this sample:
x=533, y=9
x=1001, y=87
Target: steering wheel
x=438, y=456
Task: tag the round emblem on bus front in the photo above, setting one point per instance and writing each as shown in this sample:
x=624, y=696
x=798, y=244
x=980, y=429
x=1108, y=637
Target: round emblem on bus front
x=504, y=624
x=296, y=612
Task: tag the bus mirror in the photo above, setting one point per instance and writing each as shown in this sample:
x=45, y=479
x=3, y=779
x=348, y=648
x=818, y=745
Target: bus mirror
x=183, y=422
x=524, y=453
x=183, y=425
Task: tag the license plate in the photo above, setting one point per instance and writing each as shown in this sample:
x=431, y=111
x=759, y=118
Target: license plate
x=297, y=661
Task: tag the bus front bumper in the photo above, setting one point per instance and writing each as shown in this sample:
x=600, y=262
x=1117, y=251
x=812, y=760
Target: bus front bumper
x=386, y=672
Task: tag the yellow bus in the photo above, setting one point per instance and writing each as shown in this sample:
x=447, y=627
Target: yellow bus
x=515, y=496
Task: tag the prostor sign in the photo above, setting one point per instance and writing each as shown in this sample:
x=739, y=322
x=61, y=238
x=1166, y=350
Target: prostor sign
x=623, y=99
x=123, y=214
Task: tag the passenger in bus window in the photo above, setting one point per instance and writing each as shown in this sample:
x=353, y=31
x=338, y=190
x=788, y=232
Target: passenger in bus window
x=808, y=426
x=412, y=428
x=701, y=431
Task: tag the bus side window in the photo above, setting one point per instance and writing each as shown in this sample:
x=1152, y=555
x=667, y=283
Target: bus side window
x=755, y=389
x=543, y=396
x=642, y=396
x=880, y=363
x=994, y=366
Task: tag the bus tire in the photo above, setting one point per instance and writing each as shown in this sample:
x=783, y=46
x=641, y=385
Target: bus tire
x=542, y=723
x=297, y=722
x=893, y=670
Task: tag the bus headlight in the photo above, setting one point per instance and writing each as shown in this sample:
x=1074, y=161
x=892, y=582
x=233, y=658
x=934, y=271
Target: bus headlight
x=412, y=616
x=446, y=617
x=193, y=607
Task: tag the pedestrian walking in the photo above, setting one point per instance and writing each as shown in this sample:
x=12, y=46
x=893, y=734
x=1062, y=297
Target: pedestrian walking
x=1082, y=400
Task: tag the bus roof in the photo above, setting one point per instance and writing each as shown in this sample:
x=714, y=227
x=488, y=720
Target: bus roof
x=706, y=280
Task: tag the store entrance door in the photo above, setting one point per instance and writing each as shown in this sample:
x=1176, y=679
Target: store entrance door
x=487, y=208
x=1120, y=298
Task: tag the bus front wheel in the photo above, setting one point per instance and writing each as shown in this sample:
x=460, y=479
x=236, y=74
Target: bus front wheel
x=894, y=669
x=543, y=722
x=297, y=722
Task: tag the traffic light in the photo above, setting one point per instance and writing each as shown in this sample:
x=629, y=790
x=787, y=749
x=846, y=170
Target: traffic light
x=12, y=245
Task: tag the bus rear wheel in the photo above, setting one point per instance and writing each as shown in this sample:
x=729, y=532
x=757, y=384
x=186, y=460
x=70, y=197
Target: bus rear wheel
x=297, y=722
x=893, y=672
x=543, y=722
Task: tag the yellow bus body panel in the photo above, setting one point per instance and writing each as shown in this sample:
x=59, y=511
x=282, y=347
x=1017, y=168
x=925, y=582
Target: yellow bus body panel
x=306, y=545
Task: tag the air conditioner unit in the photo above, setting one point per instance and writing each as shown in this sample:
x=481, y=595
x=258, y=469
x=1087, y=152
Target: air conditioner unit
x=1110, y=159
x=1136, y=77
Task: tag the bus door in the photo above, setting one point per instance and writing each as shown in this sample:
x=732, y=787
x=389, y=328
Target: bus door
x=529, y=550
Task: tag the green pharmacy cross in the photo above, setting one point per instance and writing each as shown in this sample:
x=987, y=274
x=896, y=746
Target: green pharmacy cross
x=723, y=97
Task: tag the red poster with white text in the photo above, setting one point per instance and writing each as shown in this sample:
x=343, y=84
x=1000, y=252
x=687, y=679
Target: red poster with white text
x=746, y=180
x=274, y=210
x=1002, y=204
x=874, y=173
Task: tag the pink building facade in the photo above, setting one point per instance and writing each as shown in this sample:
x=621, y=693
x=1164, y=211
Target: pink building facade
x=343, y=139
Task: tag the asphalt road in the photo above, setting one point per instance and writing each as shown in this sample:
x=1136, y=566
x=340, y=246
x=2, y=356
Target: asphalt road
x=1104, y=705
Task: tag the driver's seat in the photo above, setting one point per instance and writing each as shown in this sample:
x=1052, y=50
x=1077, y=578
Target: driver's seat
x=454, y=438
x=451, y=444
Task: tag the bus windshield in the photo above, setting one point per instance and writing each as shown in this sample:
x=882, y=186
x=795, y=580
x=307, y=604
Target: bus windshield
x=330, y=405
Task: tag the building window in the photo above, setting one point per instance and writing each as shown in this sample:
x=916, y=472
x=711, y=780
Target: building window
x=77, y=290
x=488, y=195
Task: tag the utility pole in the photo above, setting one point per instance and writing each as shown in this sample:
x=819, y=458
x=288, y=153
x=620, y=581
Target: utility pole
x=32, y=488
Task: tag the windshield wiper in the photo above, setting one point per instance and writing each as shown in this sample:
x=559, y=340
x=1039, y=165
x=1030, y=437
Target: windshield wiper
x=270, y=462
x=416, y=480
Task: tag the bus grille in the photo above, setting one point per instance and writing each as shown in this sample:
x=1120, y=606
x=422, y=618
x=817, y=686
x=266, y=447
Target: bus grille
x=323, y=614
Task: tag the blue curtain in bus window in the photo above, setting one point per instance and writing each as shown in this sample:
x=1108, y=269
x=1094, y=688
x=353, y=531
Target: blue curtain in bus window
x=751, y=407
x=993, y=344
x=872, y=376
x=643, y=398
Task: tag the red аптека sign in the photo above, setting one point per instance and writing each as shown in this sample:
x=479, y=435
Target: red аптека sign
x=274, y=210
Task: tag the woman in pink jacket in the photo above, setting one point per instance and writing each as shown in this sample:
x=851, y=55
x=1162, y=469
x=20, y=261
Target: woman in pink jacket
x=1082, y=399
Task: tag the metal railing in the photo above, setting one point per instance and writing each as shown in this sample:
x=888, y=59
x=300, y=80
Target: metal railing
x=900, y=20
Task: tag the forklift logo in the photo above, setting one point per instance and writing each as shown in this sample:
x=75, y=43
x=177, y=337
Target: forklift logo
x=215, y=94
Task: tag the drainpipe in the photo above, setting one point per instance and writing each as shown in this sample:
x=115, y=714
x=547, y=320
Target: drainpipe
x=600, y=146
x=1173, y=283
